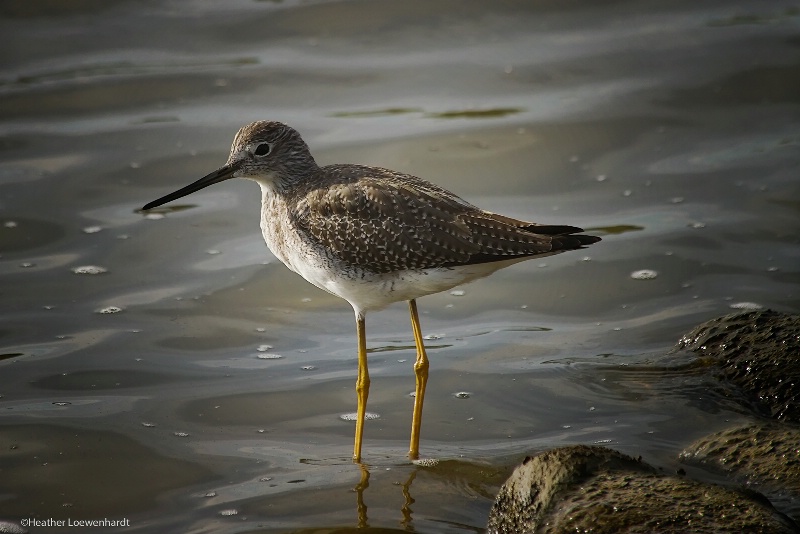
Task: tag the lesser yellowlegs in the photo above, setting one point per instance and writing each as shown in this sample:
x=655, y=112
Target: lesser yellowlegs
x=373, y=236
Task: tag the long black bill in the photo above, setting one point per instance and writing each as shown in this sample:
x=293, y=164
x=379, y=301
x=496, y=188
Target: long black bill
x=215, y=177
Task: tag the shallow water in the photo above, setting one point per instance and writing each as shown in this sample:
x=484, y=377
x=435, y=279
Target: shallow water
x=197, y=377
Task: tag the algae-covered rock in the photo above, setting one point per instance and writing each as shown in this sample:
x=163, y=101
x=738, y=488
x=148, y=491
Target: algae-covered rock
x=765, y=457
x=758, y=353
x=599, y=490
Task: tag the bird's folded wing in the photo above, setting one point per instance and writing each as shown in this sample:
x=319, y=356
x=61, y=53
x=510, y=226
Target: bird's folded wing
x=384, y=226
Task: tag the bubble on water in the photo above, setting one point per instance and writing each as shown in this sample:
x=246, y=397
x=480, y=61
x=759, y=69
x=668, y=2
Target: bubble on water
x=462, y=395
x=352, y=416
x=602, y=441
x=265, y=479
x=109, y=310
x=413, y=394
x=135, y=164
x=268, y=356
x=433, y=337
x=148, y=425
x=308, y=368
x=746, y=306
x=458, y=293
x=676, y=200
x=229, y=512
x=62, y=403
x=27, y=264
x=89, y=269
x=10, y=224
x=697, y=225
x=772, y=269
x=586, y=258
x=306, y=299
x=154, y=216
x=264, y=348
x=627, y=193
x=213, y=251
x=180, y=434
x=601, y=178
x=210, y=494
x=644, y=274
x=92, y=229
x=426, y=462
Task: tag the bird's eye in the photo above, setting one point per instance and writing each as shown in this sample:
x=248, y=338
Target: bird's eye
x=262, y=149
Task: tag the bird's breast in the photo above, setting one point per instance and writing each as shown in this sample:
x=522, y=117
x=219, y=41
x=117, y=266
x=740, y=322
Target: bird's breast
x=279, y=234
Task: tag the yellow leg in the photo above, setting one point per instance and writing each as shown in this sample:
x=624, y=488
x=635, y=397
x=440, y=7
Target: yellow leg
x=421, y=372
x=362, y=385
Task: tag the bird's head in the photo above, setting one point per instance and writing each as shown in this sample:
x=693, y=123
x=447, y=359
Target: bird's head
x=268, y=152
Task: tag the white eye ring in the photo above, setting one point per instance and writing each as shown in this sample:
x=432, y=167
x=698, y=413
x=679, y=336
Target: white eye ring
x=262, y=149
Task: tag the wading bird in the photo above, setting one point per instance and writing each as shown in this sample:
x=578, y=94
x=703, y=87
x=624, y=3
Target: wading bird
x=373, y=236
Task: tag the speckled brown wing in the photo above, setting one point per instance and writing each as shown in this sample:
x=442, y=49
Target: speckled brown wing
x=383, y=226
x=384, y=221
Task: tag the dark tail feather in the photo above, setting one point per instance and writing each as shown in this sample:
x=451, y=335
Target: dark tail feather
x=551, y=229
x=573, y=241
x=563, y=237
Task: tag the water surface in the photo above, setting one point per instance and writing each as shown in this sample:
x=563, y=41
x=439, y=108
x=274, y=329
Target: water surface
x=197, y=385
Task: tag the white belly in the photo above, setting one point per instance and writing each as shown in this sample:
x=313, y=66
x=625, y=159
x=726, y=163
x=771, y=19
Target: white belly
x=377, y=291
x=368, y=291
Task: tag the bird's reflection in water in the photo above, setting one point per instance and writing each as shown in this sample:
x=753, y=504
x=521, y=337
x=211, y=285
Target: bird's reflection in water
x=361, y=507
x=405, y=510
x=478, y=480
x=408, y=501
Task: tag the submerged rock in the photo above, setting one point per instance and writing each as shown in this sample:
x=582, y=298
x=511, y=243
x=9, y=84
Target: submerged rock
x=757, y=352
x=763, y=457
x=599, y=490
